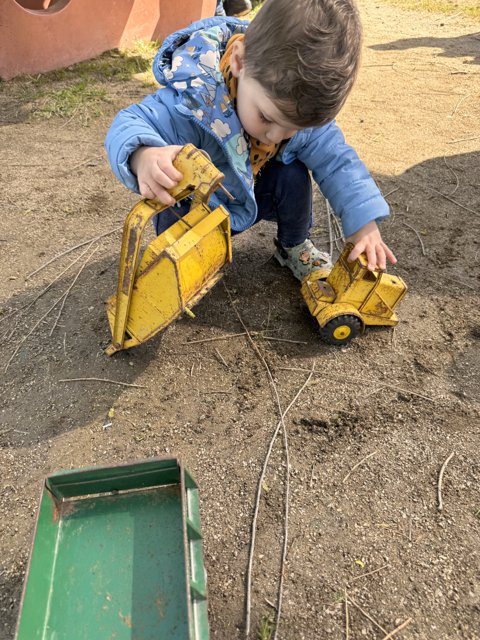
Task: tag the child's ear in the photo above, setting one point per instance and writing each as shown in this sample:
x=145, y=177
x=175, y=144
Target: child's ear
x=237, y=59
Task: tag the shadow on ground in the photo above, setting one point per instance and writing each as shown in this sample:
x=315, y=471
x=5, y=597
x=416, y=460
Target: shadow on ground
x=460, y=47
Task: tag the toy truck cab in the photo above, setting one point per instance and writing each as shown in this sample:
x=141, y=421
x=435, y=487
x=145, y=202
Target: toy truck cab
x=351, y=298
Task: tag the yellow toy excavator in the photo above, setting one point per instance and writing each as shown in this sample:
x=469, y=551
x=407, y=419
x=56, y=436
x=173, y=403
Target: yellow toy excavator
x=179, y=266
x=352, y=297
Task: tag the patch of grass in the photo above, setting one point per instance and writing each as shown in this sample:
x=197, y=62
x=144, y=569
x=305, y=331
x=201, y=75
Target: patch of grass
x=124, y=64
x=470, y=8
x=266, y=628
x=65, y=102
x=79, y=90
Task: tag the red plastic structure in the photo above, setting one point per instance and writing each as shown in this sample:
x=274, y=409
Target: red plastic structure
x=42, y=35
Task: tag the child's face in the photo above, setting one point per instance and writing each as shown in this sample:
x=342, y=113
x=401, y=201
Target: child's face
x=258, y=114
x=256, y=111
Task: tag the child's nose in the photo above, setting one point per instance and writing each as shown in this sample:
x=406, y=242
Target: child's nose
x=275, y=134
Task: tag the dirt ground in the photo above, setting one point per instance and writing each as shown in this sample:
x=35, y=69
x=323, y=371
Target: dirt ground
x=397, y=401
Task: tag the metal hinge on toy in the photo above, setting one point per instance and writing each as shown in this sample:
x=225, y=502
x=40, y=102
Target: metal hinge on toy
x=179, y=266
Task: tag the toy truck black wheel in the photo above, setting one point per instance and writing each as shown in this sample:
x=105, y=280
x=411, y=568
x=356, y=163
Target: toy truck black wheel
x=341, y=330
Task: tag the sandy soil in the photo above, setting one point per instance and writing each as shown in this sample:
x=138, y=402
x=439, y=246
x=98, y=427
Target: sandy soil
x=399, y=402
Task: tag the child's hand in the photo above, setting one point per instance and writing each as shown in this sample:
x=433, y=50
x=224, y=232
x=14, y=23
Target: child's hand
x=155, y=172
x=369, y=241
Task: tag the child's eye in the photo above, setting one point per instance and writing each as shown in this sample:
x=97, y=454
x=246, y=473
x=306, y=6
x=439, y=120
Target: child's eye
x=263, y=118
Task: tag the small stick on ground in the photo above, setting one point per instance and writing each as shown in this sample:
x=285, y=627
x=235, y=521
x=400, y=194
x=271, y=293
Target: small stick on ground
x=232, y=335
x=123, y=384
x=330, y=230
x=424, y=186
x=382, y=384
x=463, y=140
x=418, y=236
x=370, y=573
x=259, y=487
x=340, y=234
x=347, y=621
x=284, y=340
x=65, y=295
x=390, y=192
x=27, y=305
x=397, y=629
x=367, y=615
x=221, y=358
x=467, y=95
x=412, y=393
x=440, y=479
x=456, y=177
x=19, y=345
x=464, y=284
x=80, y=164
x=358, y=464
x=77, y=246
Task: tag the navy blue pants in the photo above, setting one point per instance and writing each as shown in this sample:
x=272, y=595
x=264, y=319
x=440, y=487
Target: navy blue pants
x=284, y=195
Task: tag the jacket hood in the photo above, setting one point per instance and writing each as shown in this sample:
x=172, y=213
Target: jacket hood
x=189, y=63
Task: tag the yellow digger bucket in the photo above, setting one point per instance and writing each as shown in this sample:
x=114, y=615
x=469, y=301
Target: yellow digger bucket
x=179, y=266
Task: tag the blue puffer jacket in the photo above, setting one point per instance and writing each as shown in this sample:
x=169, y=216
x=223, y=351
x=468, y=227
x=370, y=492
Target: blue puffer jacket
x=193, y=105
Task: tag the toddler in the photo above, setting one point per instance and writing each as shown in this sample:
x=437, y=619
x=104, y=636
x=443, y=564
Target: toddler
x=260, y=98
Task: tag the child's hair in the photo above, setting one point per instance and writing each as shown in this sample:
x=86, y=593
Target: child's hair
x=305, y=54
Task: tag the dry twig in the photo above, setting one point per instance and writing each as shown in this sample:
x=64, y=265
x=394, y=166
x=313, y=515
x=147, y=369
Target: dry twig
x=287, y=484
x=346, y=380
x=390, y=192
x=463, y=140
x=221, y=358
x=330, y=231
x=397, y=629
x=65, y=295
x=27, y=305
x=123, y=384
x=62, y=298
x=77, y=246
x=418, y=236
x=367, y=615
x=270, y=338
x=347, y=621
x=440, y=479
x=456, y=177
x=80, y=164
x=232, y=335
x=424, y=186
x=358, y=464
x=467, y=95
x=260, y=486
x=370, y=573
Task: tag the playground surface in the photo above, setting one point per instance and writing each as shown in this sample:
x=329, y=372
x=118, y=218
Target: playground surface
x=371, y=430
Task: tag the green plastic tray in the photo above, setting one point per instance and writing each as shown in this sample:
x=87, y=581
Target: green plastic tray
x=117, y=555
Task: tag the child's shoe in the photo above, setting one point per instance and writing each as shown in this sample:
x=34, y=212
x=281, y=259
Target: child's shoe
x=303, y=258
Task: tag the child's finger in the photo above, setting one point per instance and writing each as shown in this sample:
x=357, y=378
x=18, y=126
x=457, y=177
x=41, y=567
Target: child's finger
x=170, y=170
x=156, y=192
x=163, y=180
x=371, y=257
x=355, y=252
x=390, y=255
x=381, y=258
x=172, y=173
x=164, y=197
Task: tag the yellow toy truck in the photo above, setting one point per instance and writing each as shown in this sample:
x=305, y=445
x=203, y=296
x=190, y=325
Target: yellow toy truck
x=179, y=266
x=351, y=298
